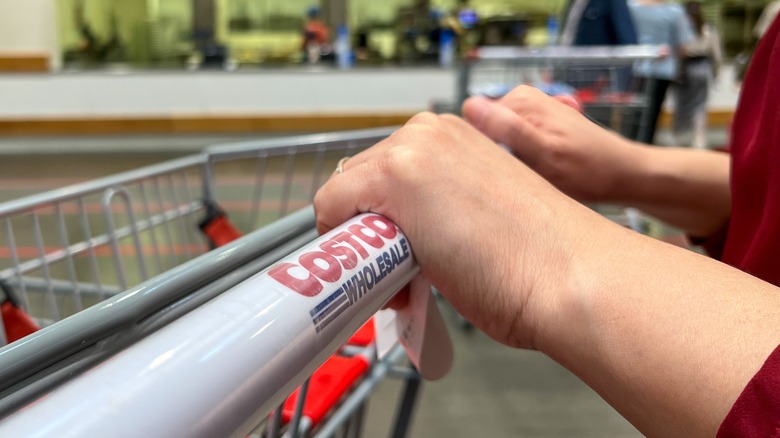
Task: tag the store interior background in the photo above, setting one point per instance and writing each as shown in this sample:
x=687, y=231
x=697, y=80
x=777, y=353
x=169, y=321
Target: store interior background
x=68, y=116
x=162, y=33
x=227, y=66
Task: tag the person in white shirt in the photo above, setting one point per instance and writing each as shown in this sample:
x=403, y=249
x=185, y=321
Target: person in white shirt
x=698, y=69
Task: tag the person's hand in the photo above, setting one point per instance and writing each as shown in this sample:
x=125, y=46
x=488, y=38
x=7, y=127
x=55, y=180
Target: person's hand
x=495, y=238
x=581, y=158
x=533, y=268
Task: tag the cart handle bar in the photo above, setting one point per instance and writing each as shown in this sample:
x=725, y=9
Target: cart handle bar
x=218, y=370
x=553, y=54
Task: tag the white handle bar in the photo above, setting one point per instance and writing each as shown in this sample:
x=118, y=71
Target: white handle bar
x=220, y=369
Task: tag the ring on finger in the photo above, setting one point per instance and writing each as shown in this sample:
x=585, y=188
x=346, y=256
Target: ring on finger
x=340, y=165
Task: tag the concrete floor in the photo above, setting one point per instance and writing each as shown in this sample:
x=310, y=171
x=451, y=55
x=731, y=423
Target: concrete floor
x=491, y=391
x=495, y=391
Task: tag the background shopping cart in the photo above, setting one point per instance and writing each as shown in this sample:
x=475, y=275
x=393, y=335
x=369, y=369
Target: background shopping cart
x=598, y=77
x=72, y=251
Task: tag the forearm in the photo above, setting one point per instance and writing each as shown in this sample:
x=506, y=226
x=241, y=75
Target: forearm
x=686, y=188
x=668, y=337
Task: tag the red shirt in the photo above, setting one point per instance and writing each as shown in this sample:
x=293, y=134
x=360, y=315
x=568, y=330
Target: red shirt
x=756, y=412
x=753, y=239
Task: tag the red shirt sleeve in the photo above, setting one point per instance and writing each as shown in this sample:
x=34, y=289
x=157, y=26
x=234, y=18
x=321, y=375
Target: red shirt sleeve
x=714, y=243
x=757, y=410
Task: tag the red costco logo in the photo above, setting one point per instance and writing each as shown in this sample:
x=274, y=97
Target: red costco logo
x=335, y=255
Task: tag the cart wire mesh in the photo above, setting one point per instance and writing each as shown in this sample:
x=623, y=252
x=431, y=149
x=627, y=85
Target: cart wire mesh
x=599, y=78
x=102, y=264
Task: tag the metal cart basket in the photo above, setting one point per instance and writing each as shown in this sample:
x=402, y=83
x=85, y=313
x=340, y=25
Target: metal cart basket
x=599, y=78
x=89, y=271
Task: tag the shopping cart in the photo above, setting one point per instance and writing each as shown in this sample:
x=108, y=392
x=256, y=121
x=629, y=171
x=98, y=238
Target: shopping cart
x=598, y=77
x=101, y=269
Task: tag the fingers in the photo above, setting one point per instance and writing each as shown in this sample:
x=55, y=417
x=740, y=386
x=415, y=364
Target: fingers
x=505, y=126
x=403, y=135
x=362, y=184
x=383, y=178
x=345, y=195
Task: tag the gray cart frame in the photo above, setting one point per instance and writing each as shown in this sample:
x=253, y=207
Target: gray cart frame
x=105, y=263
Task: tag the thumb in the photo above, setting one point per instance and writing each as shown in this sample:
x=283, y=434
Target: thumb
x=505, y=126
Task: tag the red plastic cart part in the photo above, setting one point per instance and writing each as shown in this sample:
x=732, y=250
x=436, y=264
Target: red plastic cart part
x=365, y=336
x=585, y=96
x=326, y=387
x=220, y=231
x=216, y=226
x=16, y=322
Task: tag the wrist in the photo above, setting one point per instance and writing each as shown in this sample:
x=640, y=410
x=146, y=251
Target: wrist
x=568, y=326
x=558, y=315
x=635, y=164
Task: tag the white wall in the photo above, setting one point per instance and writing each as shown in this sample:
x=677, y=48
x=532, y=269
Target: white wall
x=286, y=92
x=29, y=27
x=369, y=91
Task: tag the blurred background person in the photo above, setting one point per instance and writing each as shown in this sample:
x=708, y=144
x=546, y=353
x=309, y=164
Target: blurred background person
x=316, y=36
x=597, y=23
x=91, y=49
x=698, y=70
x=444, y=36
x=504, y=31
x=362, y=46
x=408, y=31
x=663, y=24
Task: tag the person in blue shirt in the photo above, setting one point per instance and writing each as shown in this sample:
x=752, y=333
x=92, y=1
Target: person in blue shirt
x=663, y=24
x=600, y=23
x=597, y=23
